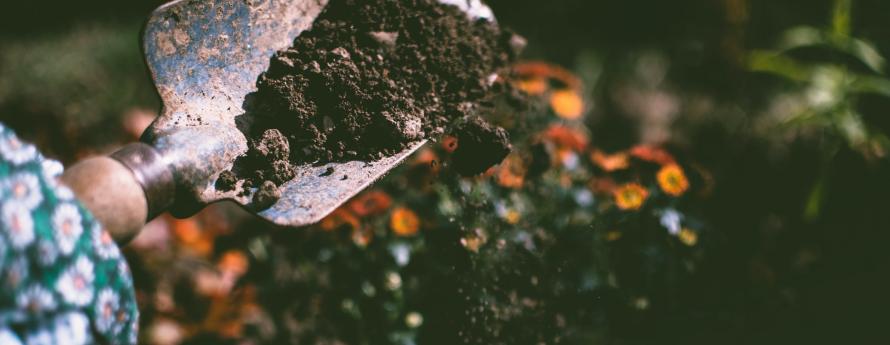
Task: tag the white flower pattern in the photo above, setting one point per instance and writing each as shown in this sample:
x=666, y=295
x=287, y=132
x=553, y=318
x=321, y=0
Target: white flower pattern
x=67, y=226
x=24, y=188
x=106, y=313
x=18, y=224
x=15, y=151
x=76, y=283
x=7, y=337
x=123, y=272
x=63, y=192
x=52, y=172
x=36, y=299
x=72, y=328
x=104, y=244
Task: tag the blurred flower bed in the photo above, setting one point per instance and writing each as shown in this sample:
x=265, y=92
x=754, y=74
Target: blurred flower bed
x=426, y=256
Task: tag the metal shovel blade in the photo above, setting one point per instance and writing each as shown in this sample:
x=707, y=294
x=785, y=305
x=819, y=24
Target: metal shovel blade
x=205, y=57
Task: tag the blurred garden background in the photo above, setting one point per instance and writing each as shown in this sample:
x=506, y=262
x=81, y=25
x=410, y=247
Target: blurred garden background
x=685, y=172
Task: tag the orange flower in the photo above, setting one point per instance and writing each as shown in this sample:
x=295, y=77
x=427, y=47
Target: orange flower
x=190, y=233
x=339, y=218
x=187, y=230
x=426, y=156
x=613, y=236
x=449, y=143
x=567, y=104
x=511, y=216
x=609, y=162
x=630, y=196
x=535, y=77
x=534, y=69
x=566, y=137
x=474, y=240
x=472, y=243
x=233, y=261
x=533, y=86
x=370, y=203
x=688, y=237
x=511, y=173
x=672, y=180
x=404, y=222
x=651, y=153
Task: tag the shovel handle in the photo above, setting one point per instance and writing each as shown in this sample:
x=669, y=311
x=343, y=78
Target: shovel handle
x=124, y=190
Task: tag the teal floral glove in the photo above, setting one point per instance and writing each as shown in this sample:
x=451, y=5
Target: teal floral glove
x=63, y=280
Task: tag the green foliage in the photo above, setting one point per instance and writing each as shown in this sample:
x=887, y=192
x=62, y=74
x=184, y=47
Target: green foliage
x=828, y=89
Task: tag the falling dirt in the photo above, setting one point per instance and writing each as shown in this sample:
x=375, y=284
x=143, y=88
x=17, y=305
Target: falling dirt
x=480, y=145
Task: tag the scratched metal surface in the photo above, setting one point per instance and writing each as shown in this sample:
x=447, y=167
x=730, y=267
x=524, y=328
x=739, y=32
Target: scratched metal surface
x=205, y=57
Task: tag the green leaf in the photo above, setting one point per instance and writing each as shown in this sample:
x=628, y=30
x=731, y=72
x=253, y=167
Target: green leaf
x=815, y=200
x=806, y=119
x=866, y=53
x=806, y=36
x=817, y=196
x=778, y=64
x=870, y=84
x=802, y=36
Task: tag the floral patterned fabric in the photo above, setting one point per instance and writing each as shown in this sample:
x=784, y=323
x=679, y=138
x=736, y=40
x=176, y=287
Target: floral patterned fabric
x=63, y=279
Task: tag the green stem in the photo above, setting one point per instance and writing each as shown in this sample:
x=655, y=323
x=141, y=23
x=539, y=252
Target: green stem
x=840, y=19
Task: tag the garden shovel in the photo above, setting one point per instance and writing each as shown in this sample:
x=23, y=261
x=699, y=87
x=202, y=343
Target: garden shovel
x=204, y=57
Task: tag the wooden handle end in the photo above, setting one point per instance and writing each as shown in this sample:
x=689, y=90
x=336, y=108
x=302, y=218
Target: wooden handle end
x=111, y=192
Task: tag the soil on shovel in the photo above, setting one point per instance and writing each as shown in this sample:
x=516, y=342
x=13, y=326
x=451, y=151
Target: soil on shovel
x=369, y=78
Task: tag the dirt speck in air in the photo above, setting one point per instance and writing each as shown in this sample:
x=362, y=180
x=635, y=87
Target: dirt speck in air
x=480, y=145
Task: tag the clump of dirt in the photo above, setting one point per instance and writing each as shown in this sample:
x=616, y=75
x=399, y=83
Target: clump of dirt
x=479, y=146
x=227, y=181
x=372, y=76
x=266, y=195
x=268, y=157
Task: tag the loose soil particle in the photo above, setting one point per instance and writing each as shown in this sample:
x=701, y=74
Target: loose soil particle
x=226, y=181
x=372, y=76
x=479, y=146
x=266, y=195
